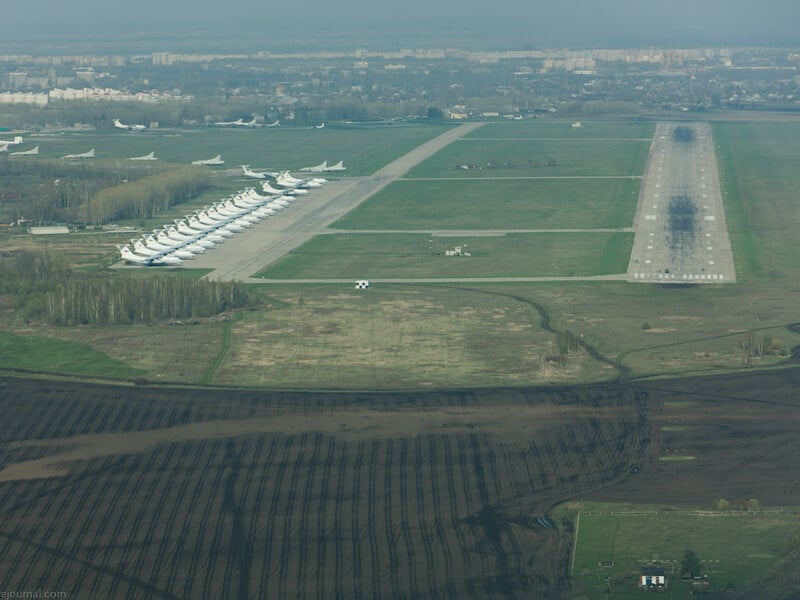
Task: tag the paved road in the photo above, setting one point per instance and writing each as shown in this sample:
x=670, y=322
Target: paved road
x=475, y=232
x=449, y=280
x=254, y=249
x=681, y=232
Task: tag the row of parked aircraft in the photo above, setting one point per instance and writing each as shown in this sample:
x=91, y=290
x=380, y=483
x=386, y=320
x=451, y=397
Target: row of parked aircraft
x=205, y=228
x=325, y=168
x=254, y=122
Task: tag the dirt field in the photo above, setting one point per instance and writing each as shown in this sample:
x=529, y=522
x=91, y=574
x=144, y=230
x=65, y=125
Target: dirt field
x=183, y=493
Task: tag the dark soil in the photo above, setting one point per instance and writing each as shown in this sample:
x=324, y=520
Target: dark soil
x=415, y=494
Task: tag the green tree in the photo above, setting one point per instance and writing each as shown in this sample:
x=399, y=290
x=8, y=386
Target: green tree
x=690, y=564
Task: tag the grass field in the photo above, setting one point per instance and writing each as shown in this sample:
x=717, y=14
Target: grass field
x=563, y=129
x=399, y=336
x=735, y=550
x=503, y=204
x=284, y=148
x=376, y=255
x=536, y=158
x=650, y=329
x=38, y=353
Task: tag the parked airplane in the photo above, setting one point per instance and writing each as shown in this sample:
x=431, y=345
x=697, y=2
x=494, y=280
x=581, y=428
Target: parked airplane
x=254, y=122
x=217, y=160
x=258, y=174
x=229, y=123
x=337, y=167
x=275, y=124
x=155, y=259
x=317, y=168
x=4, y=148
x=31, y=152
x=320, y=126
x=266, y=187
x=286, y=180
x=89, y=154
x=151, y=156
x=15, y=142
x=119, y=125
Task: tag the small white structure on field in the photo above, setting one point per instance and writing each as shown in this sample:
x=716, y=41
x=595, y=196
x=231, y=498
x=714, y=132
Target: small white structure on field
x=653, y=578
x=577, y=125
x=362, y=284
x=457, y=251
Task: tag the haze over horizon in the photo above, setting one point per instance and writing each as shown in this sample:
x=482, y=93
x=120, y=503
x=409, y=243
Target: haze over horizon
x=413, y=23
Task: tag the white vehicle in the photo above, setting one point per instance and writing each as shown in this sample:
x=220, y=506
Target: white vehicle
x=4, y=148
x=320, y=126
x=217, y=160
x=15, y=142
x=31, y=152
x=89, y=154
x=151, y=156
x=119, y=125
x=320, y=168
x=257, y=174
x=337, y=167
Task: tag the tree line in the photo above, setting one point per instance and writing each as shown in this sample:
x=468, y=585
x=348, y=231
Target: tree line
x=142, y=199
x=96, y=193
x=47, y=289
x=51, y=191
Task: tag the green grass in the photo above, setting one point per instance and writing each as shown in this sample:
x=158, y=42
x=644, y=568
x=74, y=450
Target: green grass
x=564, y=129
x=759, y=176
x=510, y=204
x=373, y=255
x=536, y=158
x=362, y=150
x=733, y=549
x=40, y=353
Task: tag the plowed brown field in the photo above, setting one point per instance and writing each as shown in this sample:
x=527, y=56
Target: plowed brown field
x=136, y=492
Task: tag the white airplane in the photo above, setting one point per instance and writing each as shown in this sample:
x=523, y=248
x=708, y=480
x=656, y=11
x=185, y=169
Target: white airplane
x=257, y=174
x=31, y=152
x=151, y=156
x=217, y=160
x=275, y=124
x=4, y=148
x=337, y=167
x=320, y=126
x=252, y=123
x=119, y=125
x=317, y=168
x=89, y=154
x=15, y=142
x=235, y=123
x=285, y=179
x=266, y=187
x=155, y=259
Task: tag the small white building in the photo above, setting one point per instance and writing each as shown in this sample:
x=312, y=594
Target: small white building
x=653, y=578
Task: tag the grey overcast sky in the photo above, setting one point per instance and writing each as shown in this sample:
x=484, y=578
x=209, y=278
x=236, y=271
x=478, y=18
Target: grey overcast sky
x=532, y=23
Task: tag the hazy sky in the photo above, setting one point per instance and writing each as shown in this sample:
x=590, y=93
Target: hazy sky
x=573, y=23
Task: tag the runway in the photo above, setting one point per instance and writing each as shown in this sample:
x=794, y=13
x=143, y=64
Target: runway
x=681, y=235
